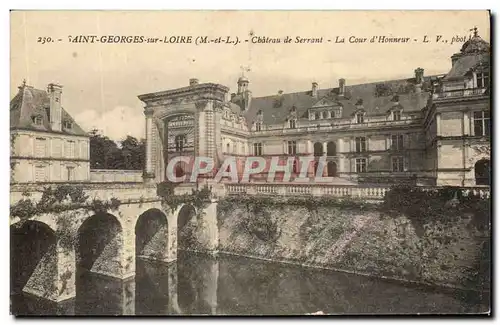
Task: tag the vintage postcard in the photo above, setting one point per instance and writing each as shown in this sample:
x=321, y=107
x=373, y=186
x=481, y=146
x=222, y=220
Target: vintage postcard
x=250, y=163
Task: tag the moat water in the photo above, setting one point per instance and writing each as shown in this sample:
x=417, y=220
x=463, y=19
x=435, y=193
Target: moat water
x=226, y=285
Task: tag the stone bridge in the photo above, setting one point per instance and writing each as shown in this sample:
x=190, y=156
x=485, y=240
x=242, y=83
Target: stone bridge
x=48, y=251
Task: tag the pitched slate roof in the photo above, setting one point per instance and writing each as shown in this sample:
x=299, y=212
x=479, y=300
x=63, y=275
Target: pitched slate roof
x=474, y=52
x=276, y=108
x=30, y=102
x=465, y=63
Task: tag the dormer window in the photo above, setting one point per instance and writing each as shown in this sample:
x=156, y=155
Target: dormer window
x=258, y=126
x=37, y=120
x=482, y=80
x=396, y=115
x=360, y=118
x=67, y=125
x=292, y=123
x=317, y=116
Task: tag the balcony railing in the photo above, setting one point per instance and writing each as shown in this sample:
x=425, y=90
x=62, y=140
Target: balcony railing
x=341, y=191
x=460, y=93
x=371, y=192
x=277, y=130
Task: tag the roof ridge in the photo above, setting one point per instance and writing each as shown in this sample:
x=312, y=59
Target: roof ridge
x=347, y=86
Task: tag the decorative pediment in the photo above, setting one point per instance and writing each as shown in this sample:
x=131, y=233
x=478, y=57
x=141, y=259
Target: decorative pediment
x=325, y=102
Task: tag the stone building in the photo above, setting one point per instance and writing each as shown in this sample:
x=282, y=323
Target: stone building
x=47, y=145
x=432, y=130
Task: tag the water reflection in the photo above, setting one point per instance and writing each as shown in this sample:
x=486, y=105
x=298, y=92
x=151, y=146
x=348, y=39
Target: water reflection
x=199, y=284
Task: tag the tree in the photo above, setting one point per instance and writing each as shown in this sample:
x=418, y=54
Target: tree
x=106, y=154
x=133, y=152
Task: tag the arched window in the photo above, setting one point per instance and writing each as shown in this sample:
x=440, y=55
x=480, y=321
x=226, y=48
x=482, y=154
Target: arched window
x=318, y=149
x=332, y=169
x=292, y=123
x=482, y=172
x=331, y=149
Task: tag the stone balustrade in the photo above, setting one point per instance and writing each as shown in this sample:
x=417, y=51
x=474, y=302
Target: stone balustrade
x=342, y=191
x=345, y=191
x=121, y=191
x=147, y=192
x=460, y=93
x=114, y=175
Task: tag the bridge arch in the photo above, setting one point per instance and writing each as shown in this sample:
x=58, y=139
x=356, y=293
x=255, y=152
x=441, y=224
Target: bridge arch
x=187, y=227
x=33, y=253
x=151, y=235
x=99, y=245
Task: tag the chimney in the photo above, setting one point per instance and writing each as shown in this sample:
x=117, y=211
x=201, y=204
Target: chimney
x=248, y=99
x=314, y=90
x=341, y=86
x=54, y=91
x=419, y=76
x=193, y=81
x=454, y=58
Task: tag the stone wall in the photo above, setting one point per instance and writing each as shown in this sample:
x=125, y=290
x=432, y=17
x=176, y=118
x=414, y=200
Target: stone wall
x=359, y=241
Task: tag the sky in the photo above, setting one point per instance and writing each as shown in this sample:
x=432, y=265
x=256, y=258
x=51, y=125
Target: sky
x=101, y=82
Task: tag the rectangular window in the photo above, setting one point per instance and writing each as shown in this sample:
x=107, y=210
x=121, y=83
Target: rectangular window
x=396, y=142
x=292, y=147
x=360, y=165
x=70, y=173
x=397, y=164
x=396, y=115
x=482, y=80
x=69, y=151
x=292, y=124
x=360, y=144
x=40, y=147
x=257, y=149
x=258, y=126
x=360, y=118
x=481, y=122
x=40, y=174
x=56, y=148
x=317, y=116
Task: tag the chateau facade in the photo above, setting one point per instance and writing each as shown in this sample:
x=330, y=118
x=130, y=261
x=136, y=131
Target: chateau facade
x=47, y=145
x=429, y=130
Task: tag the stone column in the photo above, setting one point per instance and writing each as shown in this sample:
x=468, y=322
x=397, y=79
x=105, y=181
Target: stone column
x=173, y=304
x=128, y=297
x=171, y=254
x=148, y=170
x=325, y=146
